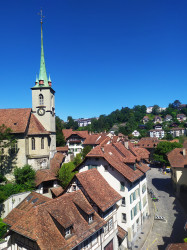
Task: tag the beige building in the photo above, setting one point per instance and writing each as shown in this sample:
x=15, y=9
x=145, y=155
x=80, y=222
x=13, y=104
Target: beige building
x=33, y=128
x=178, y=161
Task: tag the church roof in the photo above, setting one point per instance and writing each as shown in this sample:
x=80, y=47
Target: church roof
x=15, y=119
x=35, y=127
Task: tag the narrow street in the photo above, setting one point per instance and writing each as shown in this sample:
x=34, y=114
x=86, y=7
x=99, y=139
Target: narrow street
x=172, y=229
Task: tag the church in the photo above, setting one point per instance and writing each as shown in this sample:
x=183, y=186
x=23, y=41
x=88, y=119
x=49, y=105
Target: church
x=34, y=128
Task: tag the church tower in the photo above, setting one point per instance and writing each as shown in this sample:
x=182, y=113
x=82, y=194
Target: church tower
x=43, y=101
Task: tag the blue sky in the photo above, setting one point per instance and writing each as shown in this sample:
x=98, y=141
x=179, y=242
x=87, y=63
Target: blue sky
x=101, y=54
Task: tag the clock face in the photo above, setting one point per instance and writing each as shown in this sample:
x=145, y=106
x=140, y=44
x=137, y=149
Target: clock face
x=41, y=111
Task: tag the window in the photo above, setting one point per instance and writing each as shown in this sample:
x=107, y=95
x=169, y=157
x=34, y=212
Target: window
x=123, y=201
x=124, y=219
x=33, y=143
x=42, y=143
x=122, y=186
x=143, y=188
x=92, y=166
x=67, y=232
x=132, y=214
x=90, y=218
x=94, y=239
x=110, y=224
x=73, y=187
x=41, y=99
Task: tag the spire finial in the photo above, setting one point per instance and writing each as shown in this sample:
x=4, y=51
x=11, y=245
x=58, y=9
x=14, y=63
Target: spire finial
x=41, y=16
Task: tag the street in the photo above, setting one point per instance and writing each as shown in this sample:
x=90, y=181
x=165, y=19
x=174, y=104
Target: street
x=172, y=230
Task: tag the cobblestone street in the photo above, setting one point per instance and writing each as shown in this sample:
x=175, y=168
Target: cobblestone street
x=158, y=234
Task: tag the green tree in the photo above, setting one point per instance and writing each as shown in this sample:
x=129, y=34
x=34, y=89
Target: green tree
x=8, y=150
x=25, y=176
x=77, y=160
x=65, y=173
x=156, y=110
x=71, y=123
x=86, y=150
x=60, y=140
x=3, y=228
x=162, y=149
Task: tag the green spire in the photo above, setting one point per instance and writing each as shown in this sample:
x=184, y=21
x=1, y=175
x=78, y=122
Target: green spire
x=43, y=73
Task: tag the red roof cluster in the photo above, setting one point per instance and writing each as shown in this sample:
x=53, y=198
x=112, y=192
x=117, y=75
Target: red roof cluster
x=119, y=157
x=178, y=158
x=147, y=142
x=46, y=223
x=98, y=189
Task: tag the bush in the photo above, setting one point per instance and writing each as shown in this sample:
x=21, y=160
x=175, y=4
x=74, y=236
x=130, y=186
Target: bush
x=3, y=228
x=25, y=176
x=66, y=174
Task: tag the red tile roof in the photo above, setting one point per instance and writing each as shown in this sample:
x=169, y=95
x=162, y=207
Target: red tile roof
x=35, y=127
x=15, y=119
x=95, y=139
x=177, y=246
x=57, y=191
x=122, y=233
x=115, y=156
x=177, y=159
x=68, y=132
x=147, y=142
x=56, y=162
x=44, y=223
x=98, y=189
x=32, y=200
x=44, y=175
x=62, y=149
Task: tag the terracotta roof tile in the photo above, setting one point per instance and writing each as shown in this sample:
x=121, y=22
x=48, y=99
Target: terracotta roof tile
x=57, y=191
x=44, y=175
x=32, y=200
x=147, y=142
x=15, y=119
x=98, y=189
x=62, y=149
x=68, y=132
x=56, y=162
x=177, y=159
x=121, y=233
x=45, y=223
x=94, y=139
x=35, y=127
x=177, y=246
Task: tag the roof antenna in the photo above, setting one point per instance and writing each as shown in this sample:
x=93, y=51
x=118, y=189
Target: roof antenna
x=41, y=16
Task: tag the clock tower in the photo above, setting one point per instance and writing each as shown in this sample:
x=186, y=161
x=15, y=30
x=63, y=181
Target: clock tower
x=43, y=101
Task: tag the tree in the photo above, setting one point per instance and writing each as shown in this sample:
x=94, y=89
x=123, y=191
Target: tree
x=156, y=110
x=3, y=228
x=162, y=149
x=25, y=176
x=65, y=173
x=8, y=150
x=176, y=104
x=60, y=140
x=86, y=150
x=71, y=123
x=77, y=160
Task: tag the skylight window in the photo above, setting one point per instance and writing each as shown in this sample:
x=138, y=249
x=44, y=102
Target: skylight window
x=35, y=200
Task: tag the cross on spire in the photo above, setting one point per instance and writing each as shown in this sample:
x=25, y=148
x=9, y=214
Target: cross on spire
x=41, y=16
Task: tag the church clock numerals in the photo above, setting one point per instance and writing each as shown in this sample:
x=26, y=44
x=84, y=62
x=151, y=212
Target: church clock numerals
x=41, y=111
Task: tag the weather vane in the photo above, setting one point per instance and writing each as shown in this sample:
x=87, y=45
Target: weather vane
x=41, y=16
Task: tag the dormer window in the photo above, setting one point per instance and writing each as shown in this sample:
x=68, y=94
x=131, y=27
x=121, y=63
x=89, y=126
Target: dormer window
x=68, y=232
x=74, y=188
x=90, y=218
x=41, y=99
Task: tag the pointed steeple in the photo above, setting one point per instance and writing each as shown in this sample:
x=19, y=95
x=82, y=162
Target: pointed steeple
x=43, y=80
x=43, y=73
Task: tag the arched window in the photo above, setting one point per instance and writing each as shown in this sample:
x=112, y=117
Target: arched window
x=33, y=144
x=42, y=143
x=41, y=99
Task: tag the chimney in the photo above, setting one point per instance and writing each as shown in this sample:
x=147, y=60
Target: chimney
x=184, y=151
x=126, y=143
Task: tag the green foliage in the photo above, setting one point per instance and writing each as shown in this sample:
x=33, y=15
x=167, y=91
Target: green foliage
x=77, y=160
x=60, y=140
x=162, y=149
x=86, y=150
x=25, y=176
x=66, y=174
x=71, y=124
x=8, y=150
x=185, y=240
x=3, y=228
x=10, y=189
x=156, y=110
x=2, y=178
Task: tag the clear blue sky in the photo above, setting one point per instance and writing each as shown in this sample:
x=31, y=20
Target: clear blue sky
x=101, y=54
